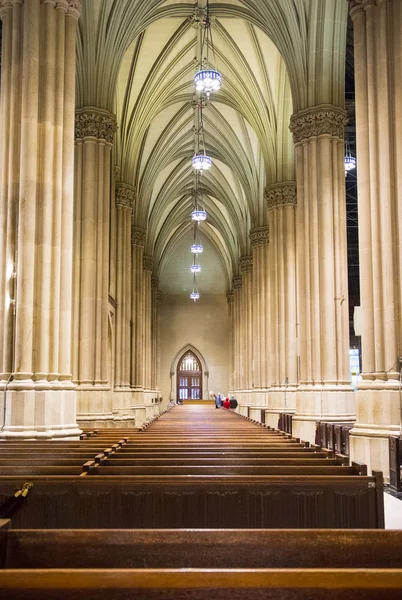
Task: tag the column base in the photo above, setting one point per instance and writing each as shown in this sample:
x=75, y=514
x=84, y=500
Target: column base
x=282, y=399
x=39, y=412
x=378, y=416
x=327, y=402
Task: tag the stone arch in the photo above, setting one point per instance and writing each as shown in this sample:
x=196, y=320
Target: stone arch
x=173, y=370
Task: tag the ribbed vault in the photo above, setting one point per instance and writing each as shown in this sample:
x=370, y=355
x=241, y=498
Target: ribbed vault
x=137, y=59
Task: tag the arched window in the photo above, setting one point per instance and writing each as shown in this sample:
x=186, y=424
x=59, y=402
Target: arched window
x=189, y=377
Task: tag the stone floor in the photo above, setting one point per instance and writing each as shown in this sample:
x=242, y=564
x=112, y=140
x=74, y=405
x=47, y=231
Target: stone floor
x=393, y=512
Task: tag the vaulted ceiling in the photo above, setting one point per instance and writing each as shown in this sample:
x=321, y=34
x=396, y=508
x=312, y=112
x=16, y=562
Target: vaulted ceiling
x=138, y=58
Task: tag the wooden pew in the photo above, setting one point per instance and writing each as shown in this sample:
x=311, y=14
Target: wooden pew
x=273, y=564
x=180, y=501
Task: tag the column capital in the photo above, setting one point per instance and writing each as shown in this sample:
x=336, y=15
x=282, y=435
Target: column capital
x=138, y=236
x=230, y=297
x=74, y=8
x=4, y=6
x=259, y=236
x=94, y=122
x=125, y=196
x=148, y=264
x=324, y=119
x=246, y=264
x=280, y=194
x=237, y=282
x=154, y=283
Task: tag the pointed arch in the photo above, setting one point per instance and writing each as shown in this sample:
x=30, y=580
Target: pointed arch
x=174, y=366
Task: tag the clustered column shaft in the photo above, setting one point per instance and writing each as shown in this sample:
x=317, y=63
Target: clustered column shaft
x=378, y=37
x=36, y=158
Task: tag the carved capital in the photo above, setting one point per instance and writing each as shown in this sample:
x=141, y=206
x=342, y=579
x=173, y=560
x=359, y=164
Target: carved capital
x=138, y=236
x=154, y=283
x=246, y=264
x=159, y=297
x=74, y=8
x=280, y=194
x=125, y=196
x=4, y=6
x=95, y=123
x=237, y=282
x=230, y=297
x=259, y=236
x=148, y=264
x=320, y=120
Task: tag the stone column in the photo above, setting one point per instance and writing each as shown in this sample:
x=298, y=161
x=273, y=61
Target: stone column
x=378, y=71
x=247, y=382
x=324, y=392
x=237, y=346
x=37, y=158
x=125, y=198
x=94, y=132
x=259, y=239
x=281, y=206
x=159, y=299
x=154, y=330
x=232, y=326
x=148, y=265
x=137, y=369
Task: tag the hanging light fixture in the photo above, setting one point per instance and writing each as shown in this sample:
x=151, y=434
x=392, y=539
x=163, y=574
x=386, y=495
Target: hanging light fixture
x=207, y=79
x=195, y=295
x=350, y=160
x=196, y=247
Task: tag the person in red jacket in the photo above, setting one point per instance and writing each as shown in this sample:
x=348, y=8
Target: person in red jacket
x=226, y=404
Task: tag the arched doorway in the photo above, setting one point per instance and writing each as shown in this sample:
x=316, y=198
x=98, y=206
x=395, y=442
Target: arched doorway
x=189, y=377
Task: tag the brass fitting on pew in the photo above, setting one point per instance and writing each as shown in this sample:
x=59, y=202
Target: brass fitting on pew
x=24, y=490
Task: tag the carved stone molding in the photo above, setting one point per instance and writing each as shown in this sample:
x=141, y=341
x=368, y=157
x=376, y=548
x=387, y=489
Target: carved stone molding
x=320, y=120
x=237, y=282
x=159, y=297
x=96, y=123
x=230, y=297
x=138, y=236
x=125, y=196
x=280, y=194
x=259, y=236
x=148, y=264
x=4, y=6
x=154, y=283
x=246, y=264
x=199, y=17
x=74, y=8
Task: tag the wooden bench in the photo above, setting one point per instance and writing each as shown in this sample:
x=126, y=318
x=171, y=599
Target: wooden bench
x=273, y=564
x=182, y=501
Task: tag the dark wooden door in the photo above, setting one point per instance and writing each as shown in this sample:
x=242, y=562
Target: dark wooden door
x=189, y=378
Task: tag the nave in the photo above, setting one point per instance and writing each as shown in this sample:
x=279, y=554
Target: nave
x=201, y=503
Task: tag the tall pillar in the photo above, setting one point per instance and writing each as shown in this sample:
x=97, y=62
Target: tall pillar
x=36, y=217
x=324, y=392
x=94, y=132
x=281, y=206
x=246, y=320
x=125, y=198
x=154, y=332
x=259, y=238
x=148, y=265
x=237, y=345
x=232, y=336
x=137, y=368
x=378, y=72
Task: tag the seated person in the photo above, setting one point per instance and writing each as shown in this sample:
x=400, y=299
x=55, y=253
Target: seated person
x=226, y=404
x=233, y=402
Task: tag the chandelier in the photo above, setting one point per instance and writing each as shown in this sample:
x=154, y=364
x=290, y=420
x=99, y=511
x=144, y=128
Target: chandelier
x=207, y=79
x=195, y=294
x=350, y=160
x=196, y=247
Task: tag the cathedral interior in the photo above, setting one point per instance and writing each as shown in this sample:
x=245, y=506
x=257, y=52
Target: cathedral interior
x=197, y=199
